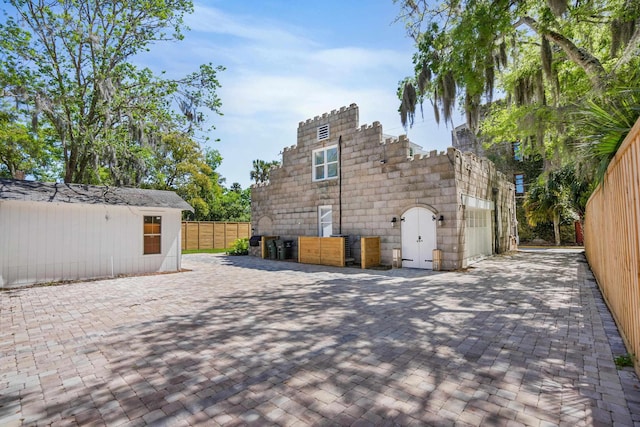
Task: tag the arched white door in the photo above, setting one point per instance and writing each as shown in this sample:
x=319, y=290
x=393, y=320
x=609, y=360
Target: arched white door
x=418, y=238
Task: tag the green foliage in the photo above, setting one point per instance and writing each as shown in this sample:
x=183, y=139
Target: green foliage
x=25, y=151
x=261, y=168
x=548, y=59
x=203, y=251
x=239, y=247
x=555, y=197
x=545, y=231
x=66, y=67
x=181, y=166
x=605, y=122
x=193, y=175
x=624, y=360
x=232, y=204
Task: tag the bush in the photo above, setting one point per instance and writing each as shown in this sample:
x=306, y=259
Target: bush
x=239, y=247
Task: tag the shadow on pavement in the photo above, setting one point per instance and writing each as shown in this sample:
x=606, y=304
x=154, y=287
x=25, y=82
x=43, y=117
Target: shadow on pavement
x=511, y=339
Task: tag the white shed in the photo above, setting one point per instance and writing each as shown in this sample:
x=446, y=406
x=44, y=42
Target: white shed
x=51, y=231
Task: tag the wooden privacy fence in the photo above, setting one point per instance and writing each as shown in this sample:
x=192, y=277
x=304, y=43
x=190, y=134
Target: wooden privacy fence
x=212, y=235
x=321, y=250
x=612, y=239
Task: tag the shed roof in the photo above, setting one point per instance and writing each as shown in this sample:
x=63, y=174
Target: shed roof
x=55, y=192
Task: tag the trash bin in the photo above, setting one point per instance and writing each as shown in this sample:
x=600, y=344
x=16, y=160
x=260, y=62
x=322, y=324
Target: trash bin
x=280, y=249
x=288, y=249
x=271, y=248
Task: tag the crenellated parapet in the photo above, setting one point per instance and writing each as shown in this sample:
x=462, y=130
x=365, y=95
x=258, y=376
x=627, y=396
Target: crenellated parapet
x=328, y=117
x=342, y=122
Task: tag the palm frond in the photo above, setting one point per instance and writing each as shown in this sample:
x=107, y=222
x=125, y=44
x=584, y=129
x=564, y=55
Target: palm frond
x=605, y=125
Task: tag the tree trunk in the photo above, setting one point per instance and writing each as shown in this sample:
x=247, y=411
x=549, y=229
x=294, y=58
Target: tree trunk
x=556, y=227
x=69, y=168
x=579, y=232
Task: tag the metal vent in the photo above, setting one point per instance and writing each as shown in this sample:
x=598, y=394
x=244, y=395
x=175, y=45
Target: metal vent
x=323, y=132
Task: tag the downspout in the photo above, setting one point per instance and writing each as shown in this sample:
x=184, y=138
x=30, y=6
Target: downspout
x=495, y=219
x=340, y=184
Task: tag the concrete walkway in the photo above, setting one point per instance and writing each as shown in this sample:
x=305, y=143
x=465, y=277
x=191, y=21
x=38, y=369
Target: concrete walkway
x=517, y=340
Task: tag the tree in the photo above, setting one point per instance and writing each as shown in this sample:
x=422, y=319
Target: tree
x=545, y=203
x=547, y=58
x=68, y=63
x=261, y=168
x=180, y=166
x=554, y=196
x=202, y=186
x=22, y=151
x=232, y=205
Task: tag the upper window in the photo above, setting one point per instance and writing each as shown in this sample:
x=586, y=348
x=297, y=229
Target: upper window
x=323, y=132
x=325, y=163
x=152, y=234
x=519, y=178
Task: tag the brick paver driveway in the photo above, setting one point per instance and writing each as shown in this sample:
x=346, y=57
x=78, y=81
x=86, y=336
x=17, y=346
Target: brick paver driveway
x=517, y=340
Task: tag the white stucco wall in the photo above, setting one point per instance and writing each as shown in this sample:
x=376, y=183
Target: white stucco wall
x=46, y=242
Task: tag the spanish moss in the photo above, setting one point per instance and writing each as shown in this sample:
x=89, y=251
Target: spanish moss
x=621, y=33
x=546, y=56
x=558, y=7
x=424, y=77
x=408, y=105
x=448, y=86
x=539, y=88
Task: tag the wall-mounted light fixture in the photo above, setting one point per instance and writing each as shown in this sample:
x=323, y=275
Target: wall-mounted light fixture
x=394, y=220
x=440, y=219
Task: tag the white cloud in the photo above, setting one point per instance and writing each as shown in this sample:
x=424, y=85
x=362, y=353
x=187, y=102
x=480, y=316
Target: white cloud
x=354, y=59
x=257, y=29
x=277, y=76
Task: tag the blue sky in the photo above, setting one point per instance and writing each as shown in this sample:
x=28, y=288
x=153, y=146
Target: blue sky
x=287, y=61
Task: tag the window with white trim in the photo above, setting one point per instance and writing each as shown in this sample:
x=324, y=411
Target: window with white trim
x=325, y=221
x=323, y=132
x=325, y=163
x=152, y=234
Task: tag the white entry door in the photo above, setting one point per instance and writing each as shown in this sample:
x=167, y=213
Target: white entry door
x=418, y=238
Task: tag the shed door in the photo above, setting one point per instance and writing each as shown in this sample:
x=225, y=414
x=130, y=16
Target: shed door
x=418, y=238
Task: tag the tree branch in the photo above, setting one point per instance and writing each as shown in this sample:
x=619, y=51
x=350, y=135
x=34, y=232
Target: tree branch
x=589, y=63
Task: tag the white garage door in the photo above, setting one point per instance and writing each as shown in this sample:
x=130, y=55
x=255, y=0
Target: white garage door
x=477, y=234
